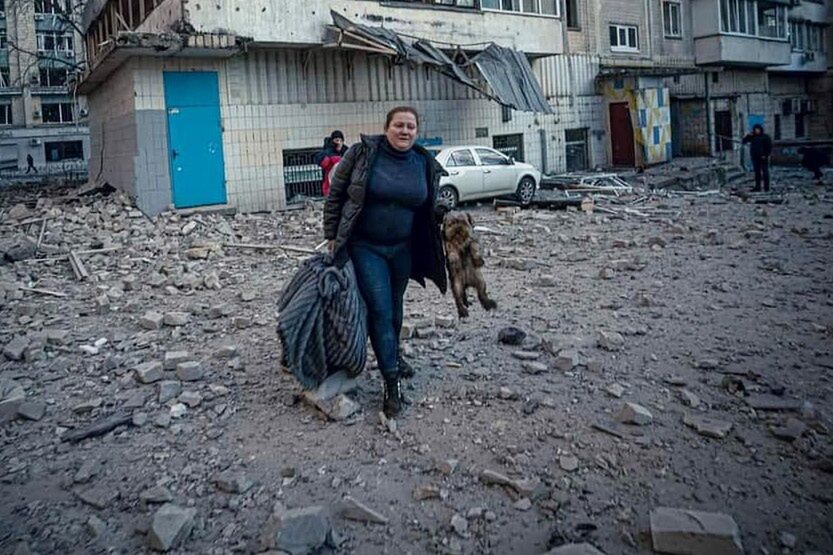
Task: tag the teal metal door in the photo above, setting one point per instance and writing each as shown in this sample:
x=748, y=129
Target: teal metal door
x=195, y=138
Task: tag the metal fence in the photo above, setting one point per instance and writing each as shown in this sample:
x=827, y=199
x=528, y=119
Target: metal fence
x=301, y=175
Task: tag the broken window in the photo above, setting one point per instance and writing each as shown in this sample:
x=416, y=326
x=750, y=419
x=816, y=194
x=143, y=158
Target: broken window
x=57, y=112
x=63, y=150
x=53, y=77
x=5, y=114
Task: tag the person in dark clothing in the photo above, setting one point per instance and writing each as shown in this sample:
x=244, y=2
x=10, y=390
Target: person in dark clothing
x=381, y=213
x=760, y=149
x=814, y=159
x=30, y=164
x=334, y=149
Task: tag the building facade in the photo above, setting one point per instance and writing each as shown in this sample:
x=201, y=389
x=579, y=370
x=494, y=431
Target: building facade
x=40, y=116
x=225, y=106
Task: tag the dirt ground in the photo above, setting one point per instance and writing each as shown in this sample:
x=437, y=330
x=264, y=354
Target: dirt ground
x=707, y=310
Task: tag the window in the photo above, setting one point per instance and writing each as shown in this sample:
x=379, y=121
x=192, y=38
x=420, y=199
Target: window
x=52, y=6
x=672, y=19
x=799, y=126
x=510, y=145
x=772, y=20
x=5, y=114
x=776, y=134
x=55, y=42
x=457, y=3
x=623, y=38
x=540, y=7
x=491, y=158
x=573, y=21
x=761, y=18
x=53, y=77
x=575, y=144
x=5, y=77
x=57, y=112
x=461, y=158
x=64, y=150
x=3, y=40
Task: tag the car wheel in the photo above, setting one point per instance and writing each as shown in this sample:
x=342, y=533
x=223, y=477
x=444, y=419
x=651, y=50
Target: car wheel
x=449, y=197
x=526, y=191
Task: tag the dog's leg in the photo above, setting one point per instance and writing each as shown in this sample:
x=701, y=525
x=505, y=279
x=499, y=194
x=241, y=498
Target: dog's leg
x=476, y=255
x=482, y=296
x=459, y=292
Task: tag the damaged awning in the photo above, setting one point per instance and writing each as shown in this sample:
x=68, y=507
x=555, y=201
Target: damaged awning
x=501, y=74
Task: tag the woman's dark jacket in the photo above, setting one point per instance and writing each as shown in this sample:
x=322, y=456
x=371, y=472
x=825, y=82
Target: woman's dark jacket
x=346, y=200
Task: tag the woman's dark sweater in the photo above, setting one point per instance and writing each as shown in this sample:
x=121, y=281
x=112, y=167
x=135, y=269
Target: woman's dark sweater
x=397, y=187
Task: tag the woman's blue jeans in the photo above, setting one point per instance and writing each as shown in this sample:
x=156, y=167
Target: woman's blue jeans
x=382, y=272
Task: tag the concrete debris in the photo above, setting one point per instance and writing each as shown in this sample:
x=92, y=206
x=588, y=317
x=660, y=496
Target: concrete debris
x=631, y=413
x=512, y=336
x=575, y=549
x=684, y=532
x=351, y=509
x=300, y=531
x=791, y=430
x=171, y=527
x=611, y=340
x=233, y=482
x=708, y=427
x=156, y=494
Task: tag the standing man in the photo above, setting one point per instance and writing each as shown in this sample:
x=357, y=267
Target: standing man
x=329, y=156
x=760, y=149
x=30, y=164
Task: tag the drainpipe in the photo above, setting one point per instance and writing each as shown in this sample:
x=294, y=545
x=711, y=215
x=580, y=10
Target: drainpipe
x=708, y=111
x=565, y=41
x=649, y=30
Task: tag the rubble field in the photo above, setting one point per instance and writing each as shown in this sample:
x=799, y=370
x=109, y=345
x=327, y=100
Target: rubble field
x=658, y=377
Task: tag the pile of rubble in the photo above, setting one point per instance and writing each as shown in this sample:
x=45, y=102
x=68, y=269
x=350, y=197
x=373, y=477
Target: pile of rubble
x=624, y=397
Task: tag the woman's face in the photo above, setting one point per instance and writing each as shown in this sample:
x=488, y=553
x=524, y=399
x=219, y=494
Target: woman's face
x=402, y=131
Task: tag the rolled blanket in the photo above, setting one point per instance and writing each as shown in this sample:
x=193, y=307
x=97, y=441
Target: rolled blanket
x=322, y=322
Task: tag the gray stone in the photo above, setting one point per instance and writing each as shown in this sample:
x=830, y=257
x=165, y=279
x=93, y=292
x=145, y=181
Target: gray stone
x=337, y=408
x=547, y=280
x=190, y=398
x=99, y=496
x=534, y=367
x=526, y=355
x=611, y=340
x=96, y=527
x=149, y=372
x=135, y=400
x=337, y=383
x=233, y=482
x=448, y=466
x=523, y=504
x=632, y=413
x=511, y=336
x=302, y=531
x=32, y=410
x=575, y=549
x=568, y=463
x=787, y=540
x=567, y=359
x=615, y=390
x=140, y=419
x=15, y=348
x=773, y=403
x=171, y=358
x=684, y=532
x=792, y=429
x=178, y=410
x=88, y=469
x=190, y=371
x=689, y=398
x=351, y=509
x=421, y=493
x=445, y=322
x=708, y=427
x=212, y=281
x=151, y=320
x=57, y=337
x=227, y=351
x=88, y=405
x=175, y=319
x=170, y=527
x=460, y=525
x=156, y=494
x=168, y=389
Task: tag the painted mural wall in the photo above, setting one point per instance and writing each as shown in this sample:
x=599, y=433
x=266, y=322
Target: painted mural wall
x=650, y=107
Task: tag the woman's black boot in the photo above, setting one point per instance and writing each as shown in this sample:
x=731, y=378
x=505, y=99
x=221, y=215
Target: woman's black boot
x=406, y=371
x=392, y=405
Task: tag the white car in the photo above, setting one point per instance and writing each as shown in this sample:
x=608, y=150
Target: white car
x=479, y=172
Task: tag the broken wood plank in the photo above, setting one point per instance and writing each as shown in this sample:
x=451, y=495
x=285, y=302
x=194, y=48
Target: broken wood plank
x=40, y=236
x=43, y=292
x=78, y=267
x=65, y=256
x=98, y=428
x=253, y=246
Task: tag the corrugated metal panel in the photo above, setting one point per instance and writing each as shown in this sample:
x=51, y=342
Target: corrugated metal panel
x=284, y=76
x=554, y=74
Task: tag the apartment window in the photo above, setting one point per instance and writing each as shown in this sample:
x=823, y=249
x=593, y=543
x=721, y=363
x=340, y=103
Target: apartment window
x=5, y=114
x=672, y=19
x=540, y=7
x=799, y=126
x=52, y=6
x=456, y=3
x=776, y=134
x=57, y=112
x=772, y=20
x=55, y=42
x=4, y=44
x=53, y=77
x=624, y=38
x=573, y=21
x=5, y=77
x=63, y=150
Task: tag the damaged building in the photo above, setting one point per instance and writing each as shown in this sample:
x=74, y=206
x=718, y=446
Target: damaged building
x=195, y=105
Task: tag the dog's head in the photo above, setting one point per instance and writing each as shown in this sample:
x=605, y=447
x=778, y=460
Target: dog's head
x=458, y=227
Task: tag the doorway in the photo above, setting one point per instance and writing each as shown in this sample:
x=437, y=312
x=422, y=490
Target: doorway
x=723, y=130
x=621, y=135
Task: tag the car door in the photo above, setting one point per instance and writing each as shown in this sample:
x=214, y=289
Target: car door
x=499, y=173
x=464, y=174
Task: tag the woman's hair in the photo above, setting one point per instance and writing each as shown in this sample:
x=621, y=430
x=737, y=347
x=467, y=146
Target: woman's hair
x=400, y=110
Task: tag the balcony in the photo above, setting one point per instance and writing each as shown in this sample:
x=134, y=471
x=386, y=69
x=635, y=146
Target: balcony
x=743, y=51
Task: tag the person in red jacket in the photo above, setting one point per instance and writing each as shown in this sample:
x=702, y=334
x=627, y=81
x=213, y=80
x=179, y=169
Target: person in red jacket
x=334, y=149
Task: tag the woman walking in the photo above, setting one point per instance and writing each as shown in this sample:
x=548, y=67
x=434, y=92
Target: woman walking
x=380, y=214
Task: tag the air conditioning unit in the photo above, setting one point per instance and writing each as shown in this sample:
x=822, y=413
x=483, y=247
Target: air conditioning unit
x=83, y=112
x=796, y=105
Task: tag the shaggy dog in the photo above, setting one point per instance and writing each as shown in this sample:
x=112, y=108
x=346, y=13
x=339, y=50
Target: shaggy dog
x=464, y=261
